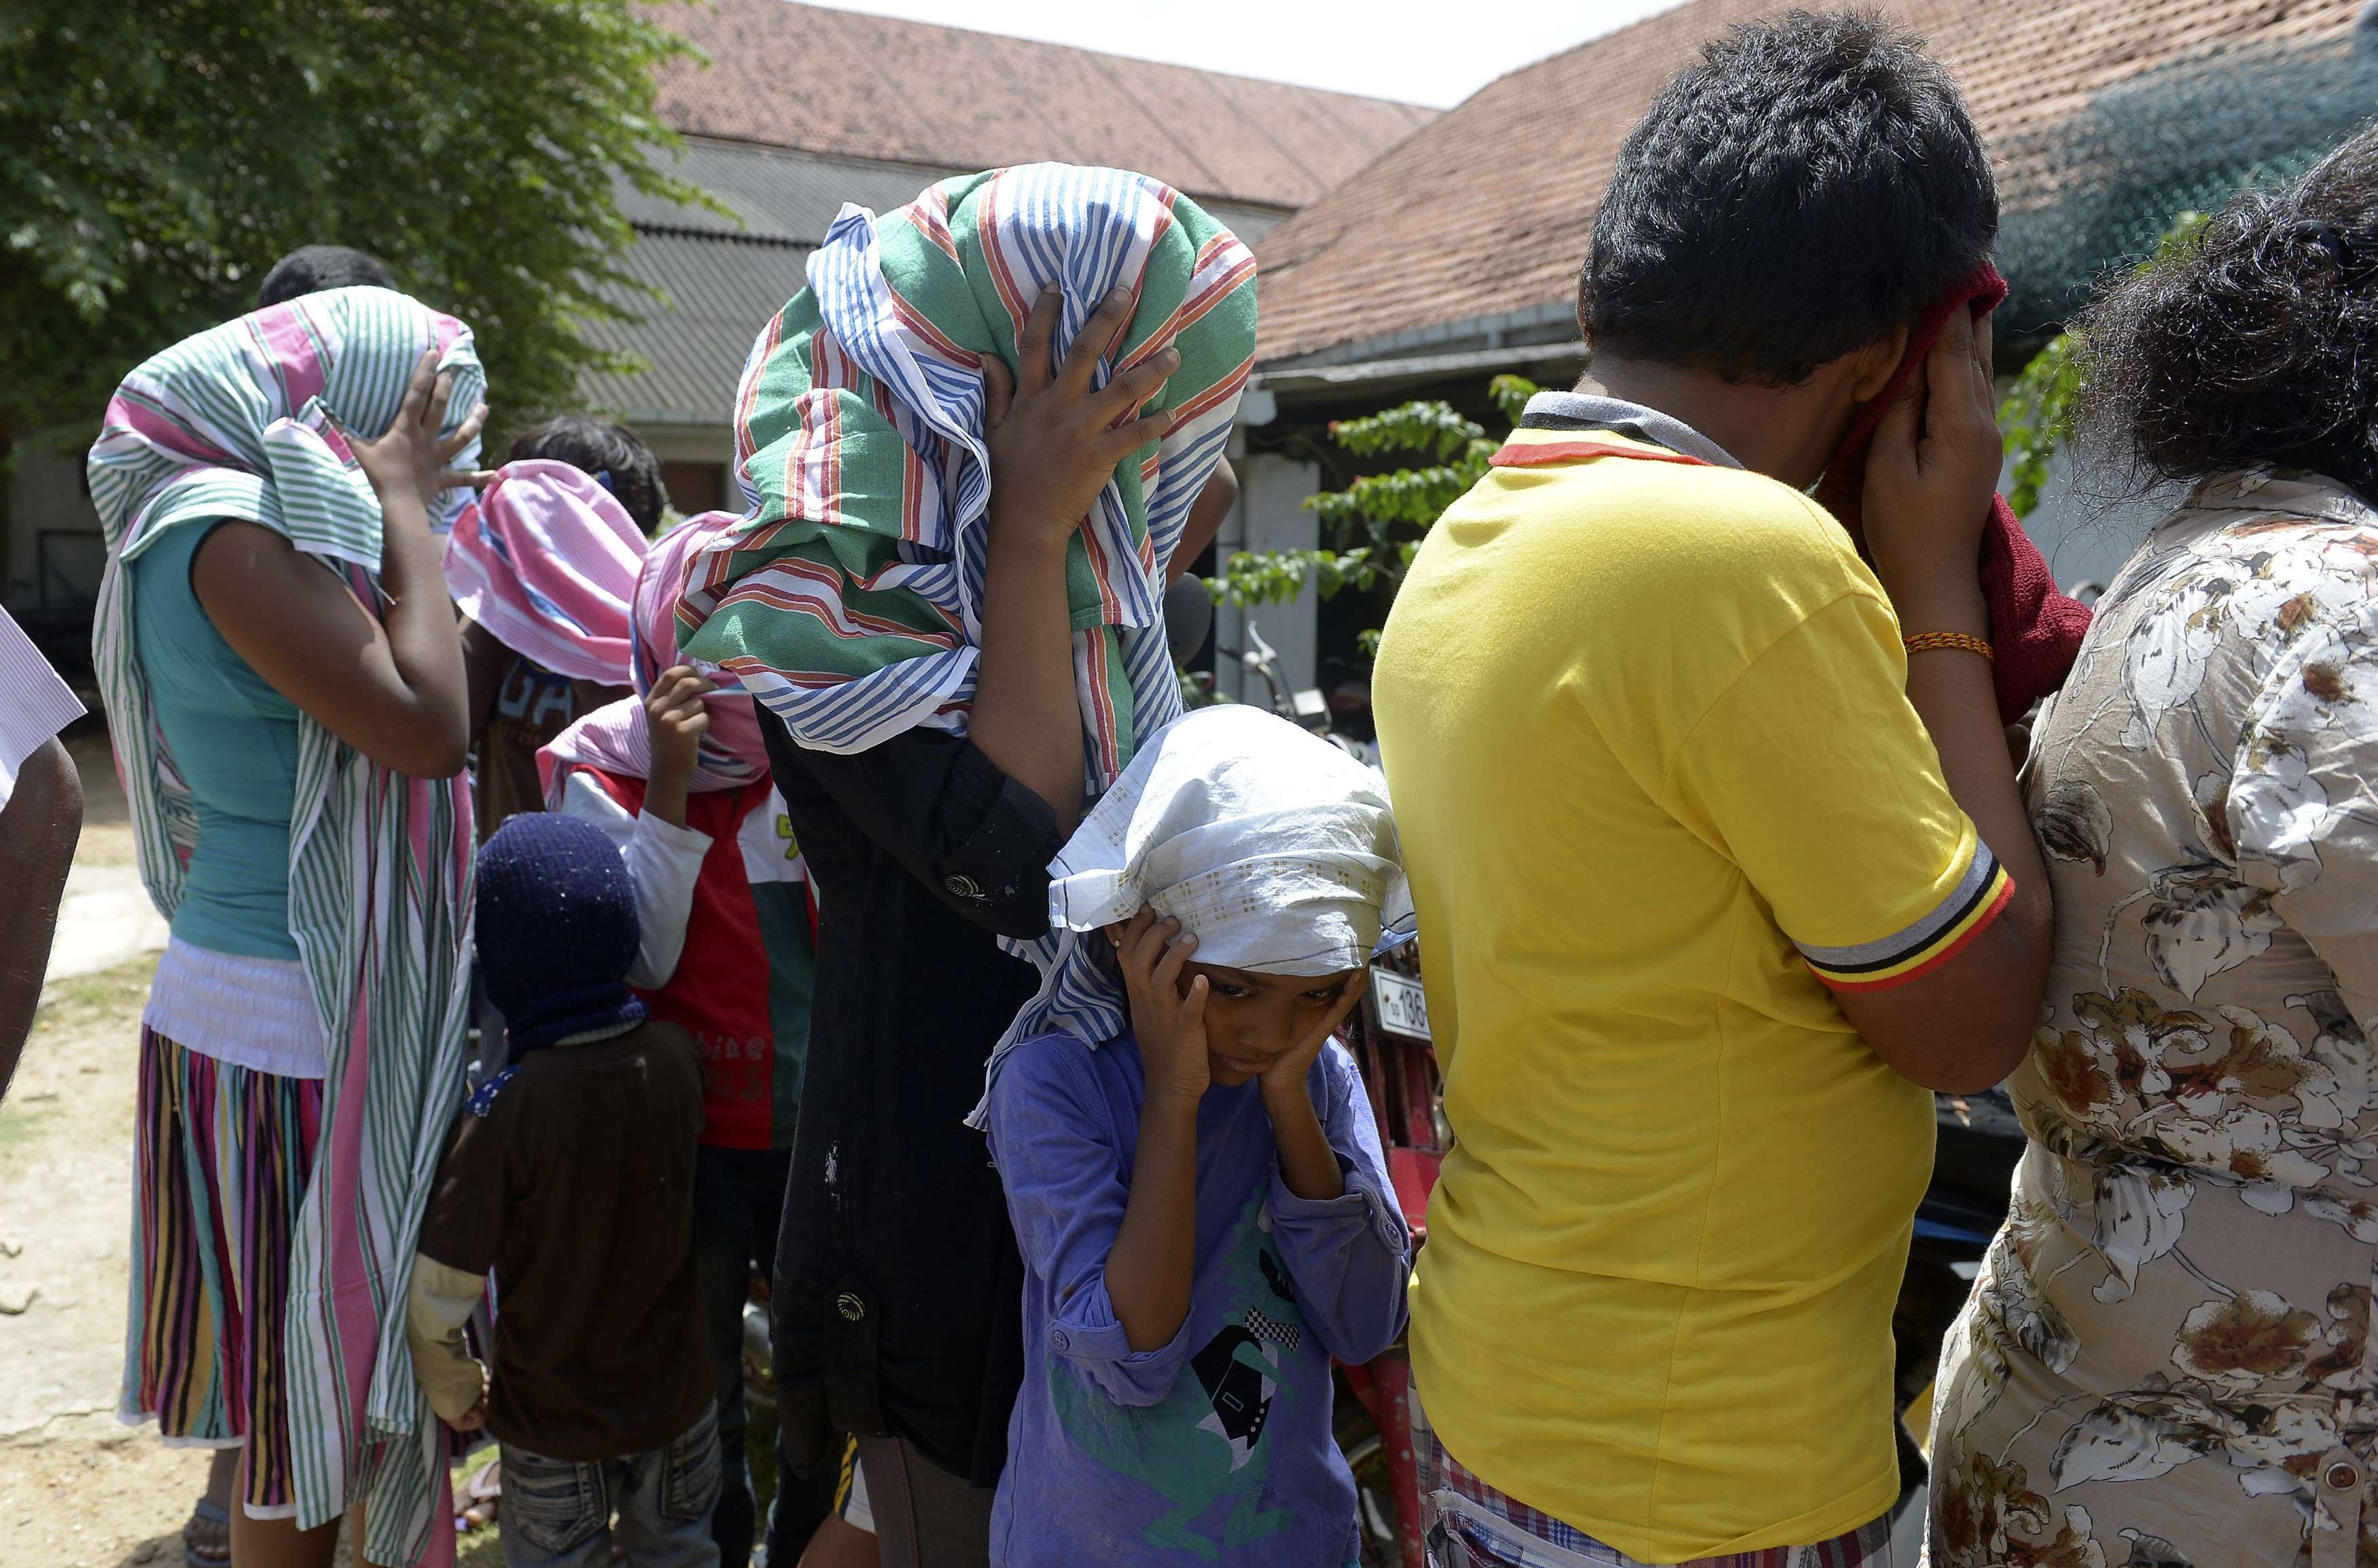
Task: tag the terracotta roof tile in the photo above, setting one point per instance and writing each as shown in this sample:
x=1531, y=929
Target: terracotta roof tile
x=1488, y=209
x=842, y=84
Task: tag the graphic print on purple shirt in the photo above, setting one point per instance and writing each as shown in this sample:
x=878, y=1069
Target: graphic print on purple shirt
x=1116, y=1456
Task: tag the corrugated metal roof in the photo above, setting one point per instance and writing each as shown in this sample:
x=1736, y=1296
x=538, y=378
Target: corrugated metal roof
x=718, y=292
x=780, y=196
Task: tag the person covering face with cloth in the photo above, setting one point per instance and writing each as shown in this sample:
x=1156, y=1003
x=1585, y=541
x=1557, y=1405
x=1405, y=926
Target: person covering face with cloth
x=677, y=778
x=286, y=693
x=976, y=445
x=542, y=566
x=1713, y=833
x=1203, y=1212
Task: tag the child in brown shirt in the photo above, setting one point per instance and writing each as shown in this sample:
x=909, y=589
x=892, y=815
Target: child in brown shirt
x=569, y=1176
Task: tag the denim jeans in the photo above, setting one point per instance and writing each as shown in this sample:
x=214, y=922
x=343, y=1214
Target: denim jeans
x=556, y=1513
x=738, y=1203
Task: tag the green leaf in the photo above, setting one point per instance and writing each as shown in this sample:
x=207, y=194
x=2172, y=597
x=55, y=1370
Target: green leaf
x=156, y=158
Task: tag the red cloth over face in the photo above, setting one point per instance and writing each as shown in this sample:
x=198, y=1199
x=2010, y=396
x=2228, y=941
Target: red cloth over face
x=2034, y=630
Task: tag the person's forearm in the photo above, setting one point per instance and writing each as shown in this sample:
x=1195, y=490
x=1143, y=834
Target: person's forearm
x=424, y=642
x=1155, y=1252
x=439, y=1300
x=1953, y=694
x=1026, y=717
x=38, y=831
x=665, y=795
x=483, y=670
x=1308, y=1165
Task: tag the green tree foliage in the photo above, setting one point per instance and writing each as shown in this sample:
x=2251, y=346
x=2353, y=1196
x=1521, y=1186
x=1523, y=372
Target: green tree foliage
x=156, y=156
x=2036, y=417
x=1371, y=528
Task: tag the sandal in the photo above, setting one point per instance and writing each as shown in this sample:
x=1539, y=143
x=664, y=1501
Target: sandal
x=482, y=1496
x=206, y=1539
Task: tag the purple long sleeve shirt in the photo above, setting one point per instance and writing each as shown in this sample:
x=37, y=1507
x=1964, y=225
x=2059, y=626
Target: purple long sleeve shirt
x=1216, y=1449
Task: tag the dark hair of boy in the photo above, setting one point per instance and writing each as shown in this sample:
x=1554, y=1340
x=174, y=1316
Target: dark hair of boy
x=1808, y=186
x=2253, y=345
x=311, y=268
x=599, y=446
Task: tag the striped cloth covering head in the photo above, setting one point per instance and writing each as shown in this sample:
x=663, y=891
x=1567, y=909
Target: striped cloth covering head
x=546, y=560
x=615, y=738
x=850, y=600
x=235, y=423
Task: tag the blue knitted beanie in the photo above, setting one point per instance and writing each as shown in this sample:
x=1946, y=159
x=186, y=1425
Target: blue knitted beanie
x=556, y=919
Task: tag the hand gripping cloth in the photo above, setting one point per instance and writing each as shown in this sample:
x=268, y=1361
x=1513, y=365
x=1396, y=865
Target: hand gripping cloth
x=1275, y=847
x=237, y=423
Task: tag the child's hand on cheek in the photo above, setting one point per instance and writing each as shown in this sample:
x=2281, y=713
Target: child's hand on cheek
x=1169, y=1023
x=1285, y=1077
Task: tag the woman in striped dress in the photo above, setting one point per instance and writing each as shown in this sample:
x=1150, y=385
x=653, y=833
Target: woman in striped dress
x=286, y=692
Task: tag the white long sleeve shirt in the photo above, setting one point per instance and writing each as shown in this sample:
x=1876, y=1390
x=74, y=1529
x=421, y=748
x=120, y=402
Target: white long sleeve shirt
x=663, y=863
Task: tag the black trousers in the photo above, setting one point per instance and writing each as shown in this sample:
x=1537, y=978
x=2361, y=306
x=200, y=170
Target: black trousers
x=739, y=1201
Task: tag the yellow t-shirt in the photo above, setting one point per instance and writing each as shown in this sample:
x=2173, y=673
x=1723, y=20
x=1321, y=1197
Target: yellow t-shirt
x=1655, y=772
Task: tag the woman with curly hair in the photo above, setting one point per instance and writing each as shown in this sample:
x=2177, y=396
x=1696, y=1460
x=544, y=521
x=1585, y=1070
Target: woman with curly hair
x=2168, y=1345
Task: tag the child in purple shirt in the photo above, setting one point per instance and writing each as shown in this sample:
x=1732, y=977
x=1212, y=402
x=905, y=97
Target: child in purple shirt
x=1199, y=1197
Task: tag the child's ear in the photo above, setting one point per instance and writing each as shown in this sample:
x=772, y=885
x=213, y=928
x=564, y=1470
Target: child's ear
x=1876, y=363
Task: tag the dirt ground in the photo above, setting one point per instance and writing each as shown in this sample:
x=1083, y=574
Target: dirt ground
x=78, y=1488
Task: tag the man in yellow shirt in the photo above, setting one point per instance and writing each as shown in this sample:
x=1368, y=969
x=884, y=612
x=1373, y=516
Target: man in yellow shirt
x=1716, y=880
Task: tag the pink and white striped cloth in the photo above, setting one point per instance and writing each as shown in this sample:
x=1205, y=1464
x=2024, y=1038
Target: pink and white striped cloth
x=614, y=738
x=547, y=559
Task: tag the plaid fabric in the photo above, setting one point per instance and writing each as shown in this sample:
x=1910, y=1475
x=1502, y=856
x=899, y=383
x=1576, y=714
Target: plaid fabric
x=1494, y=1530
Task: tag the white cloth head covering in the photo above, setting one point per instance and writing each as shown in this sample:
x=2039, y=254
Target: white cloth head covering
x=1276, y=848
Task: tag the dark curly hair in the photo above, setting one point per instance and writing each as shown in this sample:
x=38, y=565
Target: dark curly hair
x=311, y=268
x=601, y=448
x=1809, y=184
x=2257, y=344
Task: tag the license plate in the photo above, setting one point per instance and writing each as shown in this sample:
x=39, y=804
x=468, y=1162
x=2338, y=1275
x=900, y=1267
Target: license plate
x=1399, y=1004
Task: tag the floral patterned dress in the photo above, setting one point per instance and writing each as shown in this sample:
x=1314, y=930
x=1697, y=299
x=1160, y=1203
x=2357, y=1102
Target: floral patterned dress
x=2162, y=1362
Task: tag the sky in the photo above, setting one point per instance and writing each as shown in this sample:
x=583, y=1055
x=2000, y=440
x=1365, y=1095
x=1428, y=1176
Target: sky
x=1419, y=51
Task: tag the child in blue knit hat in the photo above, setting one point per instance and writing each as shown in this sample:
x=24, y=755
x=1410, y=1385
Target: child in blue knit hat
x=569, y=1176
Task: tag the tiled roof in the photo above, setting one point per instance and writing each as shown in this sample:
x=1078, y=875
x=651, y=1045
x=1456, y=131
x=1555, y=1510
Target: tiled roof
x=846, y=85
x=1488, y=209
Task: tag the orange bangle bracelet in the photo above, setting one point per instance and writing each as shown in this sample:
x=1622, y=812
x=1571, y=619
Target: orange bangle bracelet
x=1924, y=641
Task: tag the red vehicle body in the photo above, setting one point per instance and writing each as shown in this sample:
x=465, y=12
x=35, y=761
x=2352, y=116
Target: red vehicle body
x=1391, y=1045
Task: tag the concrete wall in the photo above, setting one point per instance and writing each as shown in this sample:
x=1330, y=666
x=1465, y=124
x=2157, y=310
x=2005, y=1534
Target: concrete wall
x=2087, y=533
x=55, y=554
x=1270, y=515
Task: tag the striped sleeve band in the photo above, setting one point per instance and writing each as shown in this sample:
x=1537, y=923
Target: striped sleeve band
x=1918, y=949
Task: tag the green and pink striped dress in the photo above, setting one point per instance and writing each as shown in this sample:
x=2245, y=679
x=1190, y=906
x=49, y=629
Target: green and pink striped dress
x=235, y=422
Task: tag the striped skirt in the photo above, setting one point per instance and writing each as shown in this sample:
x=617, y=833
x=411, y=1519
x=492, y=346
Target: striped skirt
x=224, y=1157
